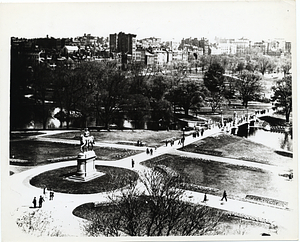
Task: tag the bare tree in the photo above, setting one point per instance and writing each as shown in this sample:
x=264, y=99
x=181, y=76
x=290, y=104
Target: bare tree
x=152, y=207
x=38, y=223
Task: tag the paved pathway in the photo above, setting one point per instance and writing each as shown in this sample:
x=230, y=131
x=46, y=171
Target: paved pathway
x=63, y=204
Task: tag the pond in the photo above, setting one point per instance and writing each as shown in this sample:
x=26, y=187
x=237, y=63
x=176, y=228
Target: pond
x=275, y=140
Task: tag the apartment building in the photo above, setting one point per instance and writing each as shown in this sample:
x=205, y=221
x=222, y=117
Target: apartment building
x=122, y=43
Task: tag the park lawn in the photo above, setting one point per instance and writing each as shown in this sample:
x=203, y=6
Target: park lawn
x=22, y=135
x=113, y=178
x=148, y=137
x=41, y=152
x=231, y=146
x=228, y=225
x=238, y=181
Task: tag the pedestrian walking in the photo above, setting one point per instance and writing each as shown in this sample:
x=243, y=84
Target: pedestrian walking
x=205, y=198
x=147, y=151
x=151, y=151
x=179, y=142
x=166, y=143
x=224, y=196
x=132, y=163
x=45, y=192
x=34, y=202
x=41, y=200
x=202, y=132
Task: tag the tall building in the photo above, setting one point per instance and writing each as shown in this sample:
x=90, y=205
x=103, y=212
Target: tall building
x=113, y=40
x=242, y=45
x=122, y=43
x=288, y=47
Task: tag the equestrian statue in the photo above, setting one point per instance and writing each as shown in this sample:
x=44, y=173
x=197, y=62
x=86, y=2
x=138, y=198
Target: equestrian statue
x=86, y=141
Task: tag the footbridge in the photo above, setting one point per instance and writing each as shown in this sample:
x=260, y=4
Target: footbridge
x=246, y=121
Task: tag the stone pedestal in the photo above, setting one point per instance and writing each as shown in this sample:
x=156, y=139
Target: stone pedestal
x=86, y=170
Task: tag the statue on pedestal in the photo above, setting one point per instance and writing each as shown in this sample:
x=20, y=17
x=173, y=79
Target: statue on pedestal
x=86, y=169
x=86, y=141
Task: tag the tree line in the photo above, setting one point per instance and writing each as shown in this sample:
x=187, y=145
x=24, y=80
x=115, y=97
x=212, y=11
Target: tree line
x=103, y=92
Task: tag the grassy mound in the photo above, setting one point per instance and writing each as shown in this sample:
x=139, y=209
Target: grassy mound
x=214, y=177
x=114, y=178
x=229, y=224
x=231, y=146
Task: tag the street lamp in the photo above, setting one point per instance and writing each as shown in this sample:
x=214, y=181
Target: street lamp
x=183, y=129
x=222, y=120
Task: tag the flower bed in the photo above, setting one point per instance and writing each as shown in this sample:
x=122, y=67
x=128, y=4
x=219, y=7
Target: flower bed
x=267, y=200
x=20, y=162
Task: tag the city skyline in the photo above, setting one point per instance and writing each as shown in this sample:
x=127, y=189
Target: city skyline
x=166, y=20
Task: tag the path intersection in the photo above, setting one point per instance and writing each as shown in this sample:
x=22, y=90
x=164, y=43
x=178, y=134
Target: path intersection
x=60, y=209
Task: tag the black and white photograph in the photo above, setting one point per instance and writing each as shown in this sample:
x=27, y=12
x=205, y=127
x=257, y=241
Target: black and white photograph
x=149, y=120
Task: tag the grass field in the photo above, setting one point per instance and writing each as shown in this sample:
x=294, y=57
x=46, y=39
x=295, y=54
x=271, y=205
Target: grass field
x=38, y=152
x=114, y=178
x=238, y=181
x=236, y=147
x=228, y=225
x=148, y=137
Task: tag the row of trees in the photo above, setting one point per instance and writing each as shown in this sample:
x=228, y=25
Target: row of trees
x=252, y=62
x=105, y=93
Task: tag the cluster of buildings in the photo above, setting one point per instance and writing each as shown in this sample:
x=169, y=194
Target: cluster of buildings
x=125, y=48
x=275, y=47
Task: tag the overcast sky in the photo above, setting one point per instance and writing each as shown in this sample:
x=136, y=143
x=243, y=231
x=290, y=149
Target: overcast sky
x=256, y=20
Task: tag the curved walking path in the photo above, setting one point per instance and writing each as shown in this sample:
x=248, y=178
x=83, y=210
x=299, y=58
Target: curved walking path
x=63, y=204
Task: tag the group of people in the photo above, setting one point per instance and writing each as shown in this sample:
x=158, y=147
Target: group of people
x=42, y=198
x=171, y=141
x=149, y=151
x=139, y=143
x=181, y=141
x=223, y=197
x=197, y=133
